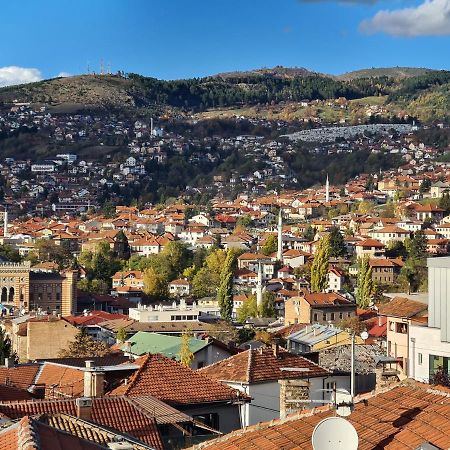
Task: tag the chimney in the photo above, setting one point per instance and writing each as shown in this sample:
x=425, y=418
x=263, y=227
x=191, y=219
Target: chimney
x=84, y=408
x=94, y=381
x=37, y=390
x=9, y=362
x=127, y=347
x=275, y=349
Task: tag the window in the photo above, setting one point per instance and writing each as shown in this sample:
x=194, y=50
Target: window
x=200, y=364
x=332, y=316
x=324, y=317
x=211, y=419
x=419, y=359
x=330, y=385
x=315, y=317
x=341, y=316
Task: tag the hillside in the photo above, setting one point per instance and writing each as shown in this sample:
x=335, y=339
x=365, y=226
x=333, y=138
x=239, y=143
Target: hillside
x=389, y=72
x=276, y=72
x=418, y=92
x=80, y=90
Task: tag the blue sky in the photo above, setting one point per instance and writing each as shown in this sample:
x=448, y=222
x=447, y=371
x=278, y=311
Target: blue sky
x=178, y=38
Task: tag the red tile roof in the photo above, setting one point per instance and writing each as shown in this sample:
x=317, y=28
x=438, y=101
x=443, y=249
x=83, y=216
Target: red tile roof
x=30, y=434
x=118, y=413
x=21, y=376
x=402, y=307
x=401, y=418
x=170, y=382
x=261, y=365
x=326, y=299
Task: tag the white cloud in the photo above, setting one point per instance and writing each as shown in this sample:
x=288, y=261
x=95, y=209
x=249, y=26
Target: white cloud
x=430, y=18
x=63, y=75
x=18, y=75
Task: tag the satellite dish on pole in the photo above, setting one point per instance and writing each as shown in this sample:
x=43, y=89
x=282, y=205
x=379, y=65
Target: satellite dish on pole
x=364, y=335
x=334, y=433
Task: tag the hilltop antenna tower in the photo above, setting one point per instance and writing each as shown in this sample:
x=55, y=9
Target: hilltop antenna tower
x=102, y=72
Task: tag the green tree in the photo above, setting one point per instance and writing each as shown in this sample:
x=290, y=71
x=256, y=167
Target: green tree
x=206, y=280
x=121, y=246
x=121, y=334
x=309, y=233
x=417, y=246
x=5, y=347
x=186, y=356
x=83, y=346
x=425, y=185
x=365, y=285
x=7, y=253
x=337, y=244
x=225, y=290
x=319, y=266
x=155, y=283
x=410, y=273
x=444, y=203
x=270, y=245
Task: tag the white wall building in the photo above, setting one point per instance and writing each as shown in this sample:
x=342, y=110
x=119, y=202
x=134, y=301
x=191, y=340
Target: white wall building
x=429, y=344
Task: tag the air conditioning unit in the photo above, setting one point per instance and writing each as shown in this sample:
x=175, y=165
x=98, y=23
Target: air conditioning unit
x=83, y=402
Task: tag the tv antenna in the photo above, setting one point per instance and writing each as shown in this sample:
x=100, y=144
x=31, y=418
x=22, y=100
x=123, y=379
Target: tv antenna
x=334, y=433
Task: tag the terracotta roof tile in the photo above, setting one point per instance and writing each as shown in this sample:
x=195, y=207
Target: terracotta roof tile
x=170, y=382
x=261, y=365
x=118, y=413
x=21, y=376
x=402, y=307
x=396, y=419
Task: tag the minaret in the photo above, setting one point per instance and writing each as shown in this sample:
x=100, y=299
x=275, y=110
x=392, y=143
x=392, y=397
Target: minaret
x=5, y=224
x=151, y=126
x=259, y=289
x=327, y=190
x=280, y=238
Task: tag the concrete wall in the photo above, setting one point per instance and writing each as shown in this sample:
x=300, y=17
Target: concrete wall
x=438, y=295
x=46, y=339
x=425, y=341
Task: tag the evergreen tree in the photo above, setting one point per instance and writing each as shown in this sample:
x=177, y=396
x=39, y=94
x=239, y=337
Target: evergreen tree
x=417, y=246
x=121, y=246
x=5, y=347
x=309, y=233
x=186, y=355
x=319, y=267
x=337, y=245
x=83, y=346
x=225, y=290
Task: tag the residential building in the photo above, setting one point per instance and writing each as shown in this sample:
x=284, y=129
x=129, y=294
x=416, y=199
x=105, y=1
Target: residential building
x=429, y=342
x=401, y=313
x=269, y=376
x=318, y=307
x=175, y=312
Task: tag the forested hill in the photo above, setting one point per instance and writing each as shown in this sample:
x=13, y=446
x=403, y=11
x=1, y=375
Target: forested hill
x=265, y=86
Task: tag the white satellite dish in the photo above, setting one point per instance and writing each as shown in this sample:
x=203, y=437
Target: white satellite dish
x=364, y=335
x=334, y=433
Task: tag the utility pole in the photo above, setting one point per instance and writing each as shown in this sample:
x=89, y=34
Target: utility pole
x=352, y=368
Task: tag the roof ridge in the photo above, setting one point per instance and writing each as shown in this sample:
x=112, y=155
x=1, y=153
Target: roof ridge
x=27, y=435
x=250, y=365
